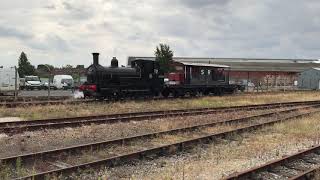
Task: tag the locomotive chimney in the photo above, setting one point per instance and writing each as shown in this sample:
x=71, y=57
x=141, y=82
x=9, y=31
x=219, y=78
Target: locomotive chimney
x=95, y=58
x=114, y=62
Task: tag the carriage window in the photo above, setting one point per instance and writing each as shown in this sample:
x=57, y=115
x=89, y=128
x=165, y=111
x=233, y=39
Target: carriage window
x=195, y=72
x=218, y=75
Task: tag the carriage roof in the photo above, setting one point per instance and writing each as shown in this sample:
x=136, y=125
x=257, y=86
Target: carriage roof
x=204, y=65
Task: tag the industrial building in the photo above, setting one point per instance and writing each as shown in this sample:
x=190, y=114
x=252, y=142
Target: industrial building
x=309, y=79
x=265, y=73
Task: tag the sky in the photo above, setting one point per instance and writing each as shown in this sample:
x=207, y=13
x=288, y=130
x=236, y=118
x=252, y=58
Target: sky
x=61, y=32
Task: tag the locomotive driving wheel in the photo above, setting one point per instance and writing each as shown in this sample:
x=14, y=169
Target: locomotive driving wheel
x=165, y=93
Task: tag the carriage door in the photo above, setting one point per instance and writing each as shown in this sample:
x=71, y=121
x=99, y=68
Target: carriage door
x=188, y=73
x=208, y=76
x=204, y=75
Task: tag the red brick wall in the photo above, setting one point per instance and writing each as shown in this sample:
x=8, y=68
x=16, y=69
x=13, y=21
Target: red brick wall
x=265, y=77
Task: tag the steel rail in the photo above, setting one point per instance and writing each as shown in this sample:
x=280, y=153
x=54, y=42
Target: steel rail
x=33, y=125
x=180, y=145
x=251, y=173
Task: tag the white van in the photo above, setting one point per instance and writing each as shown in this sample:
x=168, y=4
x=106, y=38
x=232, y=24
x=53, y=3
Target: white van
x=7, y=80
x=63, y=82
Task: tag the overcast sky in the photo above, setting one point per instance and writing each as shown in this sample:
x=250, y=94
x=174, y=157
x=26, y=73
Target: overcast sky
x=63, y=32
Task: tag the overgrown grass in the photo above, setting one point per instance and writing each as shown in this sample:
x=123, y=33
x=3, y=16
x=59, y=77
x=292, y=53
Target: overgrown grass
x=6, y=172
x=57, y=111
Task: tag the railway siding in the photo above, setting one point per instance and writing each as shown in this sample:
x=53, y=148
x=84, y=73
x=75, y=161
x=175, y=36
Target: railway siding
x=32, y=125
x=302, y=165
x=166, y=148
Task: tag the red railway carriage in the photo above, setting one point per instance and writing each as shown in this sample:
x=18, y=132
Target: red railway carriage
x=196, y=78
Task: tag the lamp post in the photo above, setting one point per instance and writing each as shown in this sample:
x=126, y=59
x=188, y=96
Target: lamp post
x=49, y=81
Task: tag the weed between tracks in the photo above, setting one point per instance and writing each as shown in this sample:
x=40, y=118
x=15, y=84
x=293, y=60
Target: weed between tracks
x=58, y=111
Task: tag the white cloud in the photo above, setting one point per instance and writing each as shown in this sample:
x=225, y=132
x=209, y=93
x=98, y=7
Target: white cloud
x=67, y=31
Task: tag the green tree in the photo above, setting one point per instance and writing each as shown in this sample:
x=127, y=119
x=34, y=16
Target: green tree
x=25, y=68
x=44, y=67
x=164, y=56
x=68, y=66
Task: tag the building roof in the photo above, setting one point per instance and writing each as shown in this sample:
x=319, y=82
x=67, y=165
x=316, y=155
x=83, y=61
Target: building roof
x=247, y=64
x=204, y=65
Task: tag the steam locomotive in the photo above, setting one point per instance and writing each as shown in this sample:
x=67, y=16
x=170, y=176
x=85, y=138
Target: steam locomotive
x=141, y=79
x=144, y=78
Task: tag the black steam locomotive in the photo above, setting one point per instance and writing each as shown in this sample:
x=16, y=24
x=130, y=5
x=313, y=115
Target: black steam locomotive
x=141, y=79
x=144, y=78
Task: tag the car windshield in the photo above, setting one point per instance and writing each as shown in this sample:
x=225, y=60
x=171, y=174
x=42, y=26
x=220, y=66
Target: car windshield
x=32, y=79
x=67, y=81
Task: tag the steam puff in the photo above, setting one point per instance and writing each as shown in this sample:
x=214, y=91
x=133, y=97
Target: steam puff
x=78, y=95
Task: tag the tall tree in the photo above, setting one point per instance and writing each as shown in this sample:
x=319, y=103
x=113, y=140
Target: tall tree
x=164, y=56
x=25, y=68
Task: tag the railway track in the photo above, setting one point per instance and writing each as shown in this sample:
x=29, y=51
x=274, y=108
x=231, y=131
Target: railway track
x=123, y=155
x=33, y=125
x=300, y=166
x=41, y=103
x=31, y=98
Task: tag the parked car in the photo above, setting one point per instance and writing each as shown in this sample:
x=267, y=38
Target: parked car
x=31, y=83
x=45, y=86
x=63, y=82
x=8, y=81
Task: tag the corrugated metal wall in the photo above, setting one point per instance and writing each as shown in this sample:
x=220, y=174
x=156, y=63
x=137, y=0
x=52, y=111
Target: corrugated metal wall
x=309, y=79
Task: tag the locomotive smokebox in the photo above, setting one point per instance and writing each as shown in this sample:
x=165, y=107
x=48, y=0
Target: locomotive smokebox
x=114, y=62
x=95, y=58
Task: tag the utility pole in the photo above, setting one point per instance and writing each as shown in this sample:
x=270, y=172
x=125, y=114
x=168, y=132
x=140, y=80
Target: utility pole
x=16, y=84
x=49, y=81
x=248, y=81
